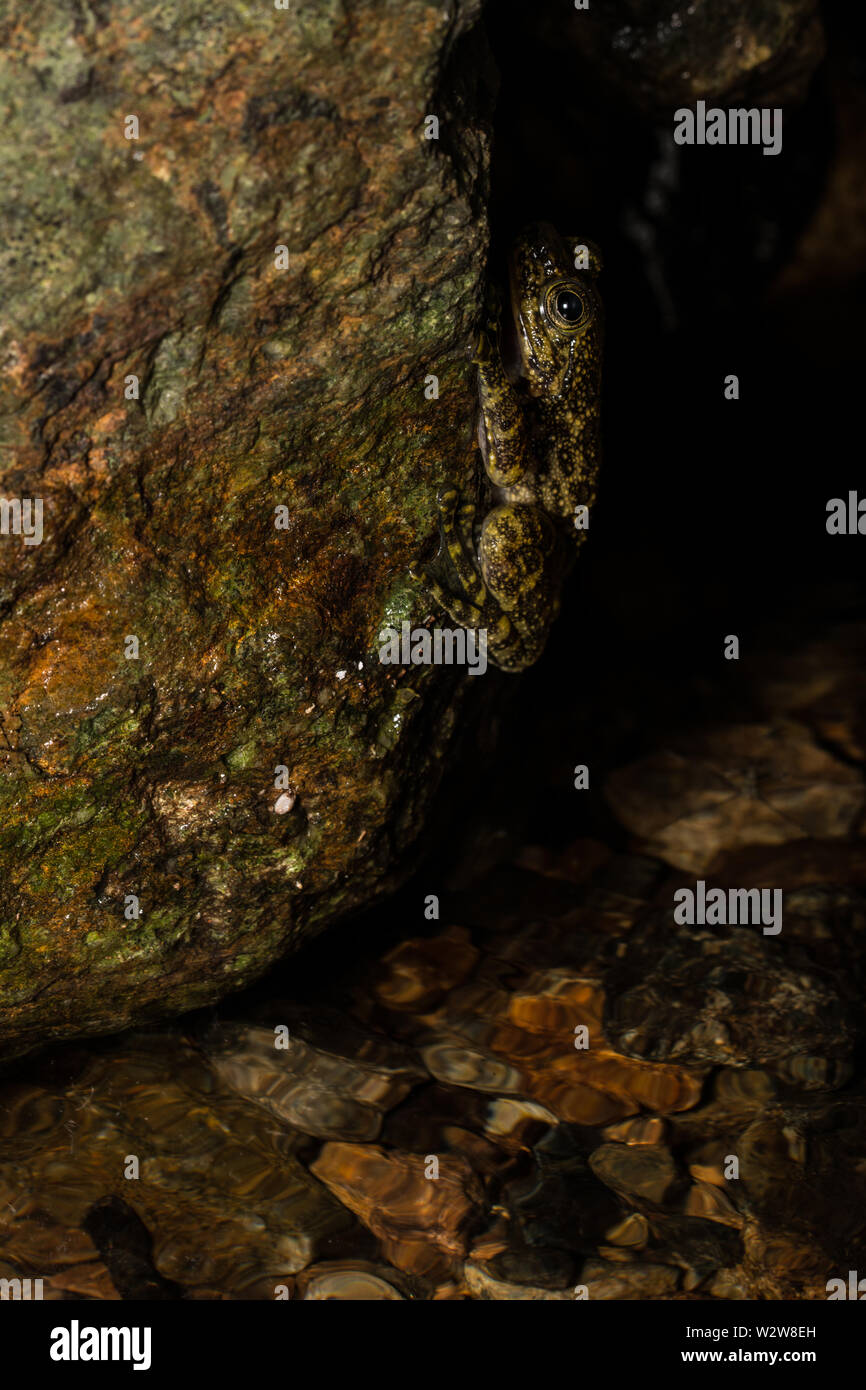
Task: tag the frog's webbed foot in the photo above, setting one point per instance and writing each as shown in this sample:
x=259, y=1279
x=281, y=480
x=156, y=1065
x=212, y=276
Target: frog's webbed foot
x=456, y=520
x=499, y=636
x=457, y=608
x=473, y=608
x=456, y=524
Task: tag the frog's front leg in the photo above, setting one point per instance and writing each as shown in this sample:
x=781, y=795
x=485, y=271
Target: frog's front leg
x=502, y=427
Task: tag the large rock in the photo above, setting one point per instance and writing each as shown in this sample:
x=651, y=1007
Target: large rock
x=153, y=775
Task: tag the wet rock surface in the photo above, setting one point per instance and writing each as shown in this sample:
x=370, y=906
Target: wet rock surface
x=734, y=786
x=730, y=997
x=169, y=384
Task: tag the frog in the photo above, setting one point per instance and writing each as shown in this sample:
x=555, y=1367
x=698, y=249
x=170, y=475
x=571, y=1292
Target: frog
x=539, y=438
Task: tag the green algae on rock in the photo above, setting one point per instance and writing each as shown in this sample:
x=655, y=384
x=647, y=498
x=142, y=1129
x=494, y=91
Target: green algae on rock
x=167, y=386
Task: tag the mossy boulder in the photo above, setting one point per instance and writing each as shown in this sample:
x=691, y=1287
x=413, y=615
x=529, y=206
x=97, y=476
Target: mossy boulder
x=236, y=459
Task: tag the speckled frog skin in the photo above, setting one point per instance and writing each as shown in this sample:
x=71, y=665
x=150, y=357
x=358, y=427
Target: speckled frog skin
x=539, y=436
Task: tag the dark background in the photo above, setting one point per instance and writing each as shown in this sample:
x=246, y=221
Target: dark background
x=712, y=513
x=711, y=517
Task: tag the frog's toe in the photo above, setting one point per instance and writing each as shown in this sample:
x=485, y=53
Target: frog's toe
x=447, y=496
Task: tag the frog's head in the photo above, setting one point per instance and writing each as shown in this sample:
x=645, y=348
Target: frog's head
x=556, y=310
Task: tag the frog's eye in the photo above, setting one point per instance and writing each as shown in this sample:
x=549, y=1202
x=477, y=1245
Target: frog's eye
x=567, y=307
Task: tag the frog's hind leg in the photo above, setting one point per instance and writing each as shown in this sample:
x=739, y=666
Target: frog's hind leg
x=502, y=642
x=518, y=555
x=517, y=550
